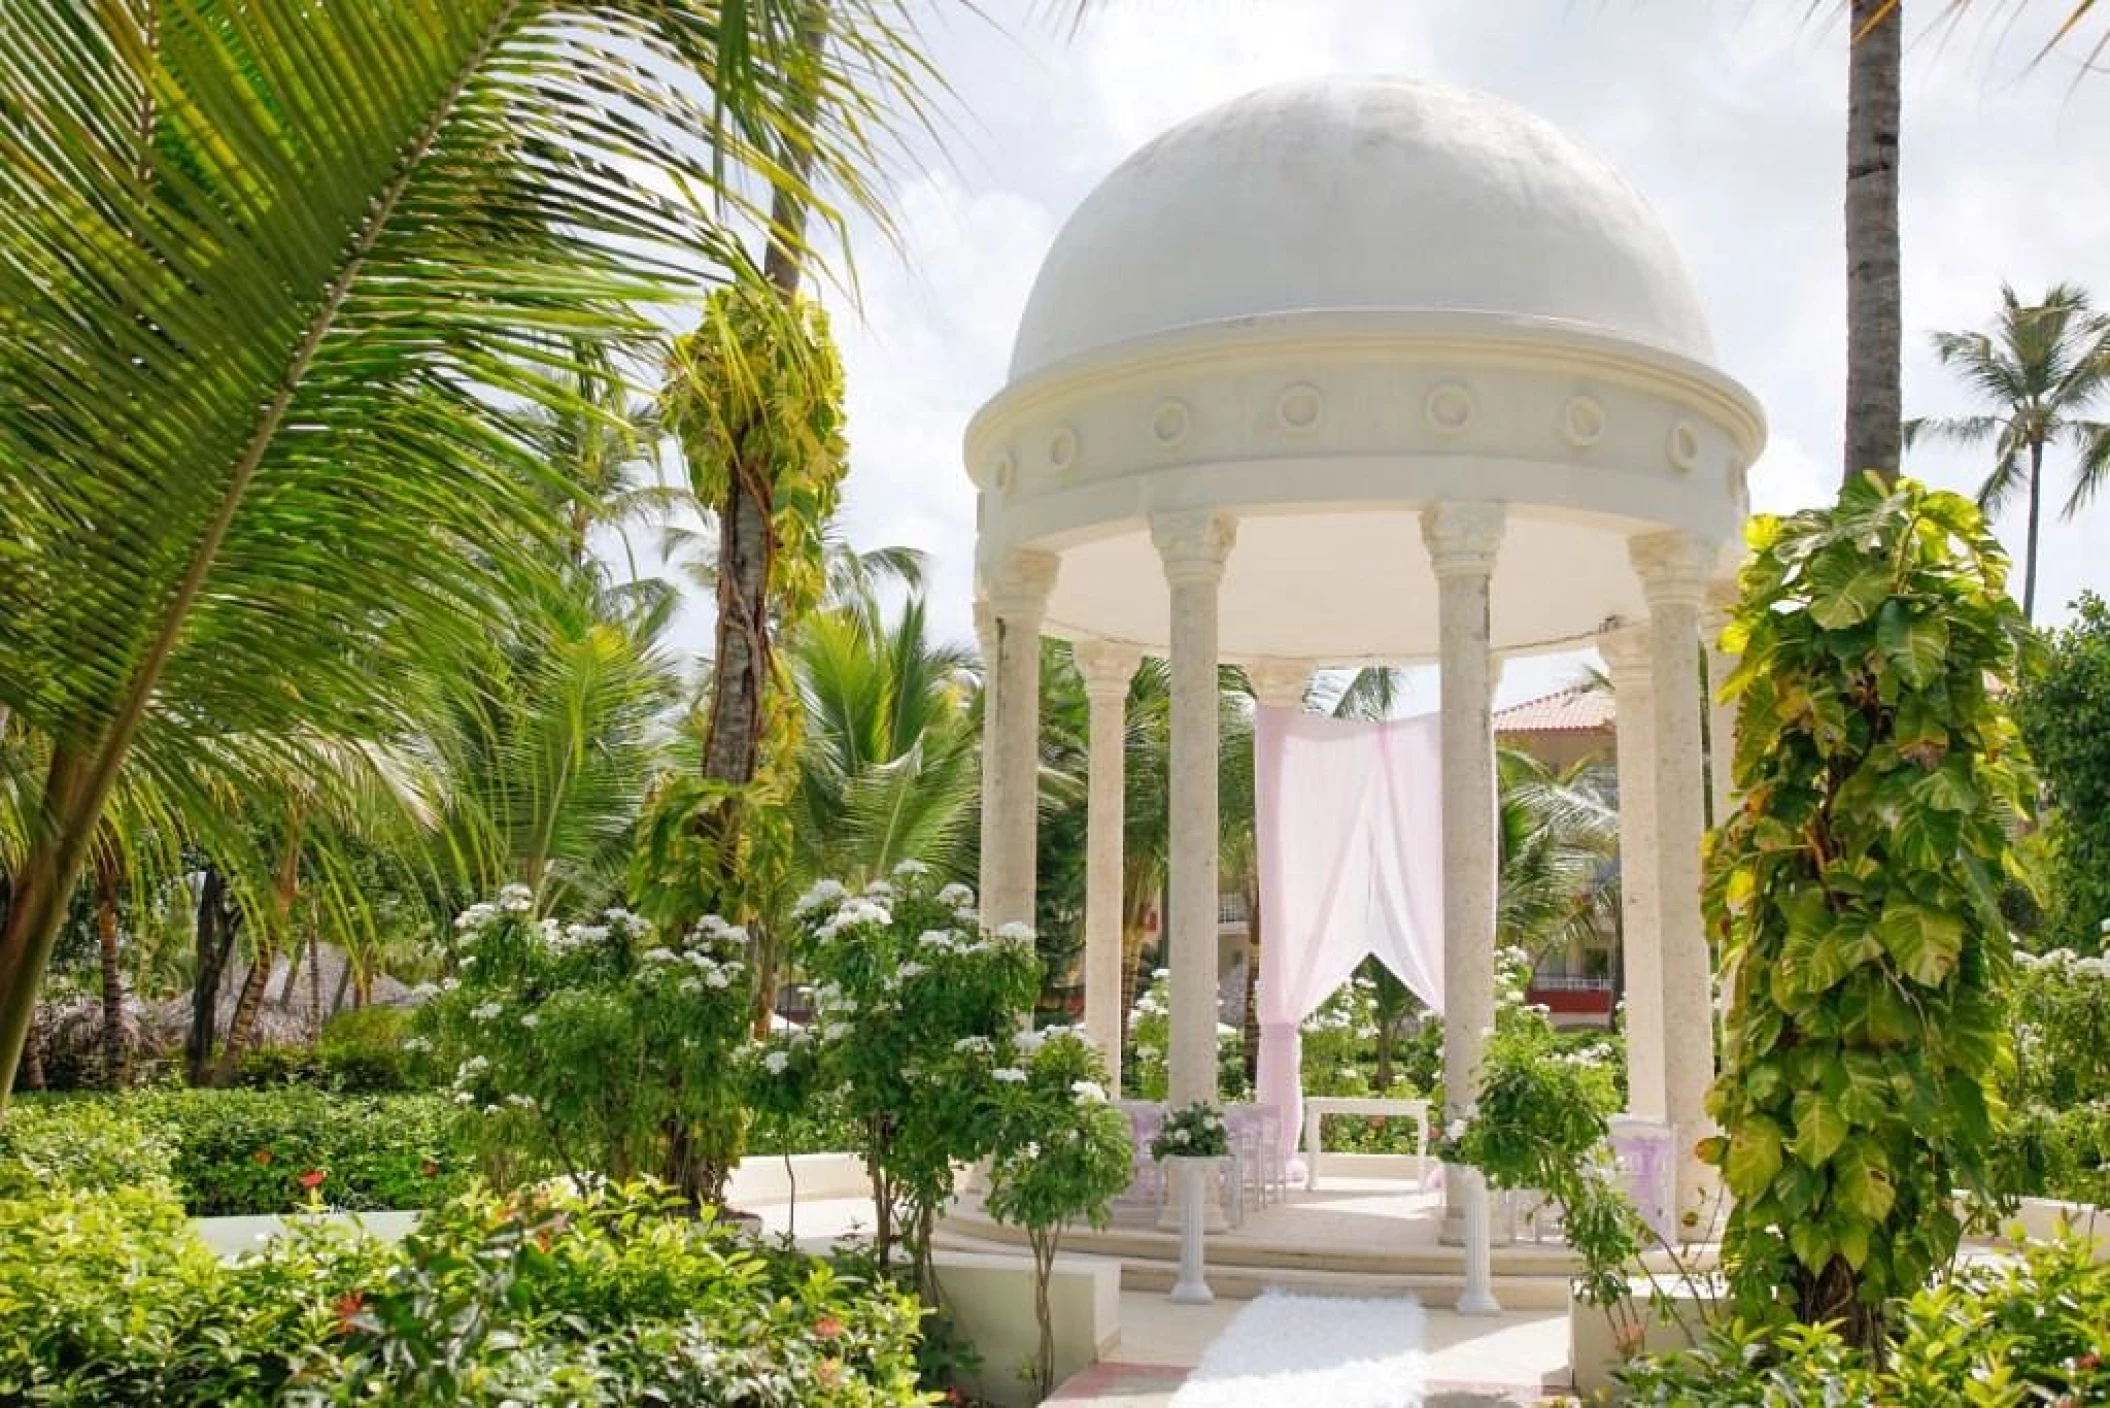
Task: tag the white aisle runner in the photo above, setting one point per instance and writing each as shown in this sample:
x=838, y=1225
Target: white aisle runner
x=1314, y=1352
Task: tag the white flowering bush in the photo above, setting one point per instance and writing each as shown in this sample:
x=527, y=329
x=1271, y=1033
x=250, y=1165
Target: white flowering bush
x=1338, y=1037
x=2055, y=1141
x=1147, y=1071
x=1063, y=1154
x=599, y=1047
x=916, y=1012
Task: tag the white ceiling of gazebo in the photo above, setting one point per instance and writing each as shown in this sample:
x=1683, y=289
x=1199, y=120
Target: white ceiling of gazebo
x=1351, y=588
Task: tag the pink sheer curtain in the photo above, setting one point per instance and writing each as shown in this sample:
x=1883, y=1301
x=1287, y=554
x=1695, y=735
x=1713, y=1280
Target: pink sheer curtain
x=1351, y=865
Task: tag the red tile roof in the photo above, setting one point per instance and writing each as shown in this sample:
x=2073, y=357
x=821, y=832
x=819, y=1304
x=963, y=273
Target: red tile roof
x=1577, y=709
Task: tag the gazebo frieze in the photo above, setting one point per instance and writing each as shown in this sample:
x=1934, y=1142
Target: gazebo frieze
x=1554, y=417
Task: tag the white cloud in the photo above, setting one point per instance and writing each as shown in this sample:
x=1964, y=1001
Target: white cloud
x=1728, y=117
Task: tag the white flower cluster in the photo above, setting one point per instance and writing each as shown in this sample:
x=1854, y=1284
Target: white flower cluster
x=975, y=1046
x=1088, y=1092
x=1010, y=1075
x=2066, y=959
x=956, y=896
x=822, y=894
x=855, y=912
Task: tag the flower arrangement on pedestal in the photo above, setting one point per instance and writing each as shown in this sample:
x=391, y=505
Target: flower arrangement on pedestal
x=1194, y=1131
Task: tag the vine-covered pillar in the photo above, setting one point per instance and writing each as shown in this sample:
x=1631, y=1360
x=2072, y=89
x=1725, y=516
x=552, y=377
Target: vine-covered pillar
x=1721, y=716
x=1462, y=539
x=1673, y=571
x=1019, y=598
x=1626, y=656
x=1107, y=667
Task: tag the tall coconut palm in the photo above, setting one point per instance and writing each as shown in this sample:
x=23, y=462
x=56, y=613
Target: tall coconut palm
x=274, y=278
x=2043, y=369
x=1874, y=282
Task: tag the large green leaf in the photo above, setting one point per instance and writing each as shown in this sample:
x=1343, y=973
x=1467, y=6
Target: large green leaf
x=1846, y=589
x=1916, y=643
x=1925, y=943
x=1820, y=1127
x=1753, y=1157
x=1861, y=1183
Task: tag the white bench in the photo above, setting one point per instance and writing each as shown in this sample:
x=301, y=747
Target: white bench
x=1317, y=1107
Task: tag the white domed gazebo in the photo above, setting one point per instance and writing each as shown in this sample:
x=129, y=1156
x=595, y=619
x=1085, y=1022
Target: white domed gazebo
x=1364, y=371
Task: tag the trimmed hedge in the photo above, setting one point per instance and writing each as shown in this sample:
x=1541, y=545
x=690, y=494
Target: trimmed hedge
x=234, y=1152
x=110, y=1298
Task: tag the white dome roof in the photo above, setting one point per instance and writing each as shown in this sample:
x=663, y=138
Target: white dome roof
x=1363, y=194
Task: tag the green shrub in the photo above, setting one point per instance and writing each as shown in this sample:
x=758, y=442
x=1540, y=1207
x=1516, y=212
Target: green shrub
x=2001, y=1335
x=110, y=1298
x=244, y=1151
x=274, y=1067
x=89, y=1143
x=367, y=1051
x=237, y=1152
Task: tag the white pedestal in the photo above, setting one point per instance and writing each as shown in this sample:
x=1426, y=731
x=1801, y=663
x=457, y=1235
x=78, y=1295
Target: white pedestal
x=1192, y=1178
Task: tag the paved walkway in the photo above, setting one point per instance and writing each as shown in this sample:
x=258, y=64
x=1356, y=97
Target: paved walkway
x=1511, y=1358
x=1473, y=1360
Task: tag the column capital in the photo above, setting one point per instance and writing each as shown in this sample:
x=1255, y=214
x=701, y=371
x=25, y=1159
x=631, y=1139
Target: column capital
x=1193, y=543
x=1718, y=606
x=1673, y=567
x=1019, y=587
x=1280, y=683
x=1462, y=537
x=1107, y=667
x=1625, y=648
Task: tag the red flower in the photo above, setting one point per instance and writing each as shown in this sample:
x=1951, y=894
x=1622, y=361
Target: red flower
x=312, y=1179
x=2088, y=1361
x=348, y=1307
x=828, y=1328
x=262, y=1156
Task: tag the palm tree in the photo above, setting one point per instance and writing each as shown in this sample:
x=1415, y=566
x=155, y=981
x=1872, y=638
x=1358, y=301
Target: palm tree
x=1874, y=283
x=275, y=279
x=542, y=764
x=887, y=764
x=2043, y=369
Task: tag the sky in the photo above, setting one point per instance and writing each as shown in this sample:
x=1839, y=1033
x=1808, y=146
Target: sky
x=1728, y=115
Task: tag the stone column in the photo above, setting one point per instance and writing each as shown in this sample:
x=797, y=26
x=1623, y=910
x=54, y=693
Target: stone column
x=1193, y=545
x=1626, y=657
x=1721, y=718
x=985, y=638
x=1672, y=567
x=1019, y=596
x=1107, y=667
x=1462, y=539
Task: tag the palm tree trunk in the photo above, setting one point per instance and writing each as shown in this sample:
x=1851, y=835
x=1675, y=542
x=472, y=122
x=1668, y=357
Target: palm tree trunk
x=250, y=1005
x=106, y=877
x=2036, y=505
x=38, y=894
x=217, y=922
x=106, y=942
x=741, y=667
x=1874, y=291
x=315, y=980
x=344, y=978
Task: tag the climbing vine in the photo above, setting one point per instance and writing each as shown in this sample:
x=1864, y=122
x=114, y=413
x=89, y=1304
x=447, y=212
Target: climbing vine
x=755, y=397
x=1855, y=897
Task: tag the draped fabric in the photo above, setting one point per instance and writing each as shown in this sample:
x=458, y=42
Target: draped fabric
x=1351, y=865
